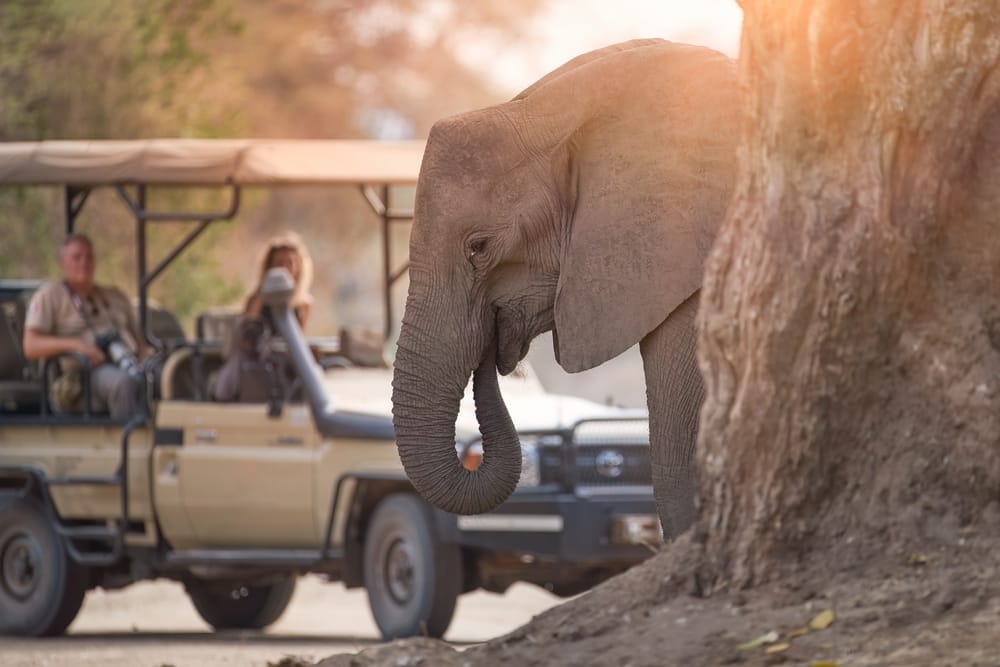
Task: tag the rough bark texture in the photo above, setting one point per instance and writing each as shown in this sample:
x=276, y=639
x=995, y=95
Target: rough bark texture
x=851, y=312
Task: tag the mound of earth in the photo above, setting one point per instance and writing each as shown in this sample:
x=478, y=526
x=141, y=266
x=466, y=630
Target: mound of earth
x=911, y=607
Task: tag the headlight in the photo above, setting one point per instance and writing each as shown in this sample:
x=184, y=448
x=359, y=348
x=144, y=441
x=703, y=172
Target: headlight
x=531, y=470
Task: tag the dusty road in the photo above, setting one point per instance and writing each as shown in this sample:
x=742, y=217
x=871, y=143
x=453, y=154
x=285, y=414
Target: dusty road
x=153, y=625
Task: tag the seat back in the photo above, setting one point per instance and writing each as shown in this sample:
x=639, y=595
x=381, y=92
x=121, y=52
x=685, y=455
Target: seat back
x=363, y=346
x=218, y=324
x=12, y=361
x=165, y=327
x=20, y=390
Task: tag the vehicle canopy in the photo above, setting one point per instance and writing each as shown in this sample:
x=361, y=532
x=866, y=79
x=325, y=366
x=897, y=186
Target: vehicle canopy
x=199, y=162
x=132, y=166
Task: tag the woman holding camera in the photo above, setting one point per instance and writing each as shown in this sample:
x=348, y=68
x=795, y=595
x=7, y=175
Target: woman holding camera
x=286, y=251
x=75, y=315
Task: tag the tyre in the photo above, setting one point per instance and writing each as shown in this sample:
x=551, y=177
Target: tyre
x=232, y=605
x=41, y=589
x=413, y=580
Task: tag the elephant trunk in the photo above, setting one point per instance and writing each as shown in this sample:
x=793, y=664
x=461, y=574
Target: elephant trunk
x=425, y=409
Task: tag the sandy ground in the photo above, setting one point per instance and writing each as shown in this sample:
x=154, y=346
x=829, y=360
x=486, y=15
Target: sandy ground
x=152, y=624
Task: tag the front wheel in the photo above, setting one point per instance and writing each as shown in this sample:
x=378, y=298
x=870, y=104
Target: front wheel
x=412, y=578
x=41, y=589
x=229, y=605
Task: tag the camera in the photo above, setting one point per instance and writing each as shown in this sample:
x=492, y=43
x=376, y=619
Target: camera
x=120, y=354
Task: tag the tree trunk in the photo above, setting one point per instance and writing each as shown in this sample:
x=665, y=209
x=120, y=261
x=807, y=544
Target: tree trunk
x=850, y=323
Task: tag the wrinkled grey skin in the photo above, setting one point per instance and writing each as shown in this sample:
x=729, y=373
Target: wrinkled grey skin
x=586, y=205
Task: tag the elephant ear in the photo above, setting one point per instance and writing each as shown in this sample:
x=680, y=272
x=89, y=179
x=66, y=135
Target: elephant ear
x=652, y=167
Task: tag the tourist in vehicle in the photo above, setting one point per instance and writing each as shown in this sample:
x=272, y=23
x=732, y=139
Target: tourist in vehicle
x=76, y=315
x=285, y=251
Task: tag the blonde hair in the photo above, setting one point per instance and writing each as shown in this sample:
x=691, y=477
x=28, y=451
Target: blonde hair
x=288, y=241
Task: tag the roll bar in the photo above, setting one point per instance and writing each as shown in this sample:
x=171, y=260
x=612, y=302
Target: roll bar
x=76, y=198
x=132, y=166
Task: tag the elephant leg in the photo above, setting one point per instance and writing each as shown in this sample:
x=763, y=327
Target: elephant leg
x=674, y=394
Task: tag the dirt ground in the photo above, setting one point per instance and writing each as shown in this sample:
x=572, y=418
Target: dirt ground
x=938, y=607
x=934, y=607
x=152, y=624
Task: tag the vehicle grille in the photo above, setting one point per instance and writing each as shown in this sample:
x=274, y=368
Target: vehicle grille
x=611, y=454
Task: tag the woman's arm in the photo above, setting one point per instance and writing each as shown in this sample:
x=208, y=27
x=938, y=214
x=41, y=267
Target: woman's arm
x=302, y=312
x=253, y=305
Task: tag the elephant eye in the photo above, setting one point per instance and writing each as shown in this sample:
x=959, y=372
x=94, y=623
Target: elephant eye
x=476, y=247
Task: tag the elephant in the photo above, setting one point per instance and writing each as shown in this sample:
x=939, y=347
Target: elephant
x=586, y=205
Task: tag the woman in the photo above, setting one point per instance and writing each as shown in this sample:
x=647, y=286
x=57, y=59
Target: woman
x=285, y=251
x=288, y=252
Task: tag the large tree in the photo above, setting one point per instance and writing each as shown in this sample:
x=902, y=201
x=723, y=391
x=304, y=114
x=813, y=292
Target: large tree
x=851, y=312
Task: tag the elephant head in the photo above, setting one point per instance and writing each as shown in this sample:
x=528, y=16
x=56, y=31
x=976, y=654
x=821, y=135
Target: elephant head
x=586, y=205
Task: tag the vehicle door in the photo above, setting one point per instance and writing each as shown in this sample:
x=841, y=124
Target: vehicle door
x=229, y=475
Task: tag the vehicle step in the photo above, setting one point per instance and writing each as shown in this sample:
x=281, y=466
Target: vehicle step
x=89, y=532
x=96, y=559
x=103, y=558
x=255, y=557
x=85, y=480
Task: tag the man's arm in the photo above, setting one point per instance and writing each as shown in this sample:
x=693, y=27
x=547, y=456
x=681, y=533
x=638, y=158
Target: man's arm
x=40, y=345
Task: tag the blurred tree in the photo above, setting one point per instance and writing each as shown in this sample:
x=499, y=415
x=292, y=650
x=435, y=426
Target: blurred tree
x=123, y=69
x=105, y=69
x=357, y=68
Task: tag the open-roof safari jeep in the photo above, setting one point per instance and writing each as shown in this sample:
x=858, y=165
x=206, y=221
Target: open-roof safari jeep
x=235, y=500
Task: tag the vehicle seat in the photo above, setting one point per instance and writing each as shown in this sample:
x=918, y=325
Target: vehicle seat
x=188, y=372
x=218, y=325
x=20, y=390
x=363, y=346
x=165, y=327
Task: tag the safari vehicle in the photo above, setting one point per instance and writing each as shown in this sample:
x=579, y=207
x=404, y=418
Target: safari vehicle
x=235, y=500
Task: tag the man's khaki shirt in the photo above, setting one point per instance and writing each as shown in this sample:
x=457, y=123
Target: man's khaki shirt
x=52, y=311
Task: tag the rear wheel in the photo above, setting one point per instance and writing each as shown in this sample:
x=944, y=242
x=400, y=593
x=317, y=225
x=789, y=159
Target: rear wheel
x=412, y=578
x=229, y=605
x=41, y=589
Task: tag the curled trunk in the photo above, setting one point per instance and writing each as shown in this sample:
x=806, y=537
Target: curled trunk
x=425, y=408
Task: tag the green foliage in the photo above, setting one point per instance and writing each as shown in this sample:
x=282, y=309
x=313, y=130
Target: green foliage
x=103, y=69
x=27, y=249
x=195, y=280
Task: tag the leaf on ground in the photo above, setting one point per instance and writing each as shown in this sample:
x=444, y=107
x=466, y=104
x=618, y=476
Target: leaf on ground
x=824, y=663
x=822, y=620
x=797, y=632
x=777, y=648
x=768, y=638
x=917, y=559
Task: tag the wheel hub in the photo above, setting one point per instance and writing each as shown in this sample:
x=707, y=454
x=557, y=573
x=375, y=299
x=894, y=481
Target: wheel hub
x=399, y=575
x=21, y=559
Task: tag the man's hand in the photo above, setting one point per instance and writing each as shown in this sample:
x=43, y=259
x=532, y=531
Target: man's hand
x=92, y=352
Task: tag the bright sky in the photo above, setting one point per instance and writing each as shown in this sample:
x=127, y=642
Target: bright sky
x=573, y=27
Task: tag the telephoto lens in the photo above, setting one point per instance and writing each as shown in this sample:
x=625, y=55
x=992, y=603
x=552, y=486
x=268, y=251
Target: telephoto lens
x=118, y=352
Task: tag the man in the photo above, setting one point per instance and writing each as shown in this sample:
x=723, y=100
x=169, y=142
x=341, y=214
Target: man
x=69, y=316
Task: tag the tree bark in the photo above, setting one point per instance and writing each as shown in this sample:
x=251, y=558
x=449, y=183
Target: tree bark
x=850, y=321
